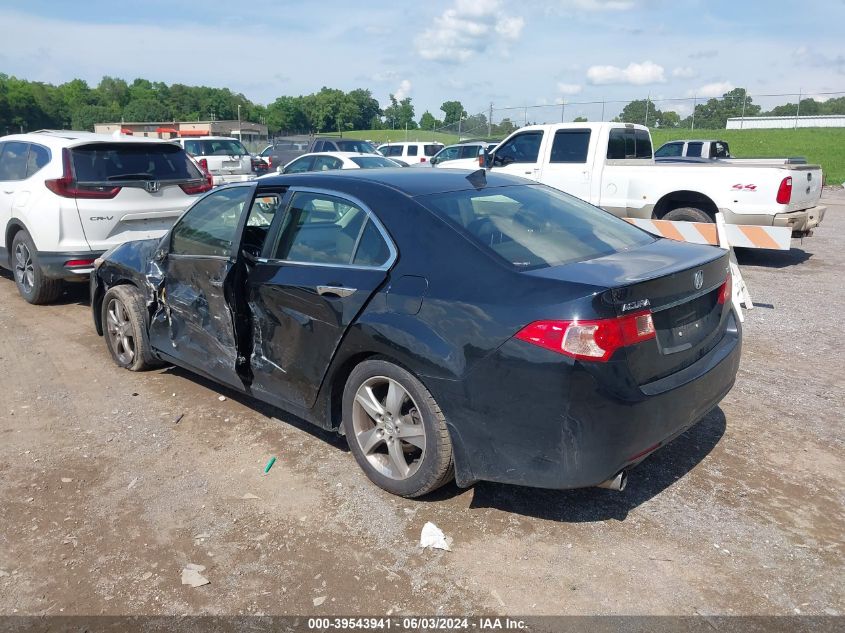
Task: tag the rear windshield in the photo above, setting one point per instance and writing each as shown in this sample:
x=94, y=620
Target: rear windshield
x=362, y=147
x=105, y=162
x=370, y=162
x=534, y=226
x=215, y=147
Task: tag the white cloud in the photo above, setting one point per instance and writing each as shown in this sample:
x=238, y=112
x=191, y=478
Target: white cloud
x=568, y=89
x=715, y=89
x=404, y=90
x=601, y=5
x=684, y=72
x=387, y=75
x=636, y=74
x=467, y=29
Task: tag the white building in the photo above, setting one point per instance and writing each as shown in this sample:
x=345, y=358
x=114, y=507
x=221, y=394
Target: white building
x=768, y=122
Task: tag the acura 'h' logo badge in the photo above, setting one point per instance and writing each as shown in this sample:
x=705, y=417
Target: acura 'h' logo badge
x=152, y=186
x=698, y=279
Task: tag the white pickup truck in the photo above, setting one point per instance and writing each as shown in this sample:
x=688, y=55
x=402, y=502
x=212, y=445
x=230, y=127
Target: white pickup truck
x=611, y=165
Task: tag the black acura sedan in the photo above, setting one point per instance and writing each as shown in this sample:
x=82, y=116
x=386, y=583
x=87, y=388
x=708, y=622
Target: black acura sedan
x=449, y=323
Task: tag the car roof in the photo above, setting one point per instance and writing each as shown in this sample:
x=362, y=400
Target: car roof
x=73, y=138
x=411, y=182
x=390, y=143
x=205, y=138
x=339, y=155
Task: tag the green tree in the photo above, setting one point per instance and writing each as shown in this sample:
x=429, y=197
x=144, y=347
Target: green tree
x=714, y=113
x=428, y=122
x=579, y=119
x=453, y=111
x=400, y=114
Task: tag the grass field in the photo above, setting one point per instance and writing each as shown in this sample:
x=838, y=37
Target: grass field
x=823, y=146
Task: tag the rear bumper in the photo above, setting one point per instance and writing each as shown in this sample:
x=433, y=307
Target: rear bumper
x=54, y=264
x=801, y=222
x=524, y=417
x=225, y=179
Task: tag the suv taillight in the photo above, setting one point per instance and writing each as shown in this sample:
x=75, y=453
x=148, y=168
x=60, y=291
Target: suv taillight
x=595, y=340
x=784, y=191
x=208, y=185
x=67, y=188
x=203, y=163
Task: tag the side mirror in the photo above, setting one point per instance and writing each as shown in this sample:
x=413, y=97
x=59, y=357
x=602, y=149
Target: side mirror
x=280, y=170
x=434, y=160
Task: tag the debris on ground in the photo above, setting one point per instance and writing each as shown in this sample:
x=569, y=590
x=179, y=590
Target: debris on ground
x=66, y=480
x=433, y=537
x=269, y=465
x=222, y=398
x=320, y=600
x=178, y=419
x=249, y=496
x=132, y=484
x=191, y=575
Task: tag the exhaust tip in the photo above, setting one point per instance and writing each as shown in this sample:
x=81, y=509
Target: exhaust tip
x=617, y=482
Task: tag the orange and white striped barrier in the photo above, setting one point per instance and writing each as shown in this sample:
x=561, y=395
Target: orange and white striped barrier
x=741, y=235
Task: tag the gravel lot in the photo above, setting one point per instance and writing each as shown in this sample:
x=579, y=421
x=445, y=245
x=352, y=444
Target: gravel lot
x=104, y=497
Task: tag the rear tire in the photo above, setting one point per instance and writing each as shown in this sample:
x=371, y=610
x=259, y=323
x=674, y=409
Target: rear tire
x=123, y=315
x=395, y=430
x=687, y=214
x=33, y=285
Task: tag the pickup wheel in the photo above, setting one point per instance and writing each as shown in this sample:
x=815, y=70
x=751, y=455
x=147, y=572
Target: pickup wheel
x=687, y=214
x=33, y=285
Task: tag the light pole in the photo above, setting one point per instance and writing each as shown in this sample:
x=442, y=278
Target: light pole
x=240, y=132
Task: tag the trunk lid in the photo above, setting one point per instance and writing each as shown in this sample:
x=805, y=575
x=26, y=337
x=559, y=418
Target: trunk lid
x=680, y=283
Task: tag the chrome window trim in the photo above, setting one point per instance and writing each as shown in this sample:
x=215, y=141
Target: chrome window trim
x=371, y=217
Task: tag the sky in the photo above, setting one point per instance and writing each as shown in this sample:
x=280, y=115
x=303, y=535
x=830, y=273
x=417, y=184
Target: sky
x=511, y=53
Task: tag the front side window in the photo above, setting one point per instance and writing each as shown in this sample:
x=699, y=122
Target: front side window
x=322, y=229
x=208, y=228
x=450, y=153
x=326, y=163
x=534, y=226
x=13, y=160
x=300, y=165
x=522, y=148
x=570, y=146
x=669, y=150
x=391, y=150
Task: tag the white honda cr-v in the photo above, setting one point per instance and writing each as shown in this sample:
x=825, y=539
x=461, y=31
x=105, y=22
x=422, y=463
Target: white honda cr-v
x=67, y=197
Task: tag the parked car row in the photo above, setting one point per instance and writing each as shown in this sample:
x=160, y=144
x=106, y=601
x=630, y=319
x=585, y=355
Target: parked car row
x=409, y=310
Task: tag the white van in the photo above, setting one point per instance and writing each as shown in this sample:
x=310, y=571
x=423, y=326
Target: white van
x=410, y=152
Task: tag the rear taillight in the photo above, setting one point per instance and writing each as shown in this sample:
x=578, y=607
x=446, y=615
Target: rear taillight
x=78, y=263
x=595, y=340
x=784, y=191
x=269, y=161
x=67, y=188
x=422, y=160
x=203, y=163
x=725, y=290
x=208, y=185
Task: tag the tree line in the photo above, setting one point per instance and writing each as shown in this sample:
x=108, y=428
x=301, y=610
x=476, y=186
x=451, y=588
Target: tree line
x=32, y=105
x=713, y=114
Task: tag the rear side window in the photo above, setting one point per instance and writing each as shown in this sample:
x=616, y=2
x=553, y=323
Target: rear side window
x=628, y=143
x=13, y=160
x=39, y=156
x=392, y=150
x=208, y=228
x=371, y=162
x=533, y=226
x=372, y=249
x=326, y=163
x=694, y=149
x=522, y=148
x=431, y=150
x=470, y=151
x=570, y=146
x=300, y=165
x=105, y=162
x=412, y=150
x=362, y=147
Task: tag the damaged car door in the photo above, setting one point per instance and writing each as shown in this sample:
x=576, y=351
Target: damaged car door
x=194, y=324
x=329, y=255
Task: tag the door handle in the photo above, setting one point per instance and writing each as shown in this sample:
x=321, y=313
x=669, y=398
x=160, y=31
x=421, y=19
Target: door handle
x=12, y=191
x=338, y=291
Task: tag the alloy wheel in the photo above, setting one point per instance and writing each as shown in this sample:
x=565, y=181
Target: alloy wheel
x=24, y=268
x=120, y=332
x=388, y=427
